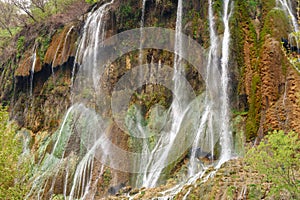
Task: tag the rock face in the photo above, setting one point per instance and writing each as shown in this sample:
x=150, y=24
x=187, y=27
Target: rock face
x=284, y=113
x=62, y=46
x=25, y=65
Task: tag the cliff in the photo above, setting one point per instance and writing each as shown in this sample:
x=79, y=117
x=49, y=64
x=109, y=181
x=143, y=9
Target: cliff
x=264, y=86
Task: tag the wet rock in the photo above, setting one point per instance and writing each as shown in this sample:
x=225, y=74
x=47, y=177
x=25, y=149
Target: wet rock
x=134, y=191
x=115, y=189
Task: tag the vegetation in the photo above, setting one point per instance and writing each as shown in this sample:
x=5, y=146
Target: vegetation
x=91, y=1
x=277, y=156
x=12, y=171
x=253, y=119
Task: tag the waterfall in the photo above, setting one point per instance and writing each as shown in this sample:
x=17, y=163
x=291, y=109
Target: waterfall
x=93, y=34
x=287, y=7
x=210, y=96
x=55, y=57
x=76, y=162
x=145, y=146
x=155, y=162
x=225, y=139
x=215, y=121
x=33, y=58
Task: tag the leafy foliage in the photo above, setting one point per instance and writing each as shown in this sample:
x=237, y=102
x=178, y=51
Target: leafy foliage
x=91, y=1
x=20, y=45
x=277, y=156
x=12, y=172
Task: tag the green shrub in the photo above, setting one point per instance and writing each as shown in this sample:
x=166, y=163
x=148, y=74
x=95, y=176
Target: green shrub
x=20, y=45
x=278, y=157
x=12, y=171
x=91, y=1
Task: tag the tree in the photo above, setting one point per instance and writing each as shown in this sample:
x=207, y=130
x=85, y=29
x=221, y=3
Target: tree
x=40, y=4
x=7, y=16
x=278, y=157
x=24, y=5
x=12, y=173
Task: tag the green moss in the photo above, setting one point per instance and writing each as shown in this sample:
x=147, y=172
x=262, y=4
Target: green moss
x=255, y=192
x=128, y=16
x=276, y=24
x=44, y=42
x=268, y=5
x=230, y=192
x=106, y=178
x=237, y=21
x=91, y=1
x=253, y=119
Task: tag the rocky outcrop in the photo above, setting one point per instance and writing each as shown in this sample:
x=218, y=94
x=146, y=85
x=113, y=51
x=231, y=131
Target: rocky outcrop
x=284, y=114
x=234, y=180
x=26, y=65
x=62, y=46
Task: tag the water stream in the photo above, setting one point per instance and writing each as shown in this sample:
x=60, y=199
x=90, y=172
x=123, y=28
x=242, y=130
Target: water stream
x=34, y=59
x=287, y=6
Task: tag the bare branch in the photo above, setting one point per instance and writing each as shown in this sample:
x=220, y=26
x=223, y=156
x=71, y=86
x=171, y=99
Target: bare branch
x=24, y=5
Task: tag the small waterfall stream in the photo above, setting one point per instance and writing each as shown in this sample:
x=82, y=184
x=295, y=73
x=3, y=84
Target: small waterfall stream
x=63, y=54
x=287, y=6
x=33, y=58
x=62, y=43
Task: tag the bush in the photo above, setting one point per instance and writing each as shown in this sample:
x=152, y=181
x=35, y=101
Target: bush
x=91, y=1
x=12, y=172
x=278, y=157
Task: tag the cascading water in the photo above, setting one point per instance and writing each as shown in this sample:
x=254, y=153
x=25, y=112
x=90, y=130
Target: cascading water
x=287, y=7
x=76, y=161
x=177, y=108
x=225, y=139
x=145, y=147
x=211, y=92
x=33, y=58
x=216, y=108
